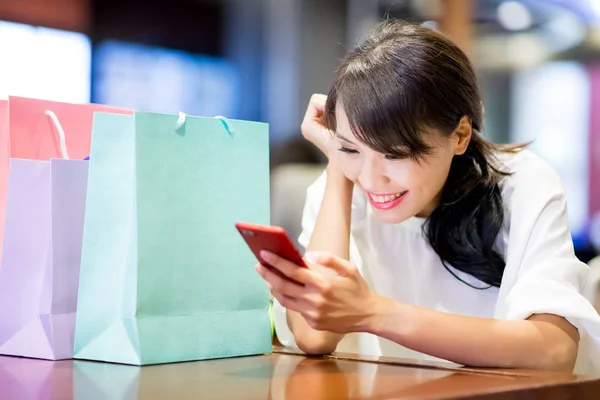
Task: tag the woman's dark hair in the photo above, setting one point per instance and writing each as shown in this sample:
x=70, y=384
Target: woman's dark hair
x=404, y=78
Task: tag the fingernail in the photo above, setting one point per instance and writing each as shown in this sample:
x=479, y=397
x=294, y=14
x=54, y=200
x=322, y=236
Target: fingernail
x=265, y=255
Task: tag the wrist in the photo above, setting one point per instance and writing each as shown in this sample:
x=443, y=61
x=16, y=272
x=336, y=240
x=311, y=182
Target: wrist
x=375, y=314
x=389, y=316
x=335, y=177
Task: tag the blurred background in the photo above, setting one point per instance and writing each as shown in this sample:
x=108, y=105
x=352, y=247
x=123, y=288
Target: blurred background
x=538, y=63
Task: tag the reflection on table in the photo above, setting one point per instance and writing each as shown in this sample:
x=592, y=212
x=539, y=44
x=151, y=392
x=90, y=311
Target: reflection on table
x=276, y=376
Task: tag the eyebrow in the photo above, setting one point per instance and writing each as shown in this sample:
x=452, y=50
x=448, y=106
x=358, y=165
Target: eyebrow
x=342, y=137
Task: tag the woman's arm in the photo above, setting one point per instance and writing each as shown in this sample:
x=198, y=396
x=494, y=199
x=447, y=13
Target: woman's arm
x=342, y=302
x=331, y=234
x=543, y=341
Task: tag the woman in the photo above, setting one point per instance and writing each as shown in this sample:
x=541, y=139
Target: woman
x=423, y=238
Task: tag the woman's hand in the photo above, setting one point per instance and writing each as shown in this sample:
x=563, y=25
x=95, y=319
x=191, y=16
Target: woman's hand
x=312, y=125
x=331, y=294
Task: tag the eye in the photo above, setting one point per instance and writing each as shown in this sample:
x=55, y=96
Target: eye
x=398, y=156
x=348, y=150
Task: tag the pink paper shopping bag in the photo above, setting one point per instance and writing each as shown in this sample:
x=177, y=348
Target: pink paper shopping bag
x=28, y=131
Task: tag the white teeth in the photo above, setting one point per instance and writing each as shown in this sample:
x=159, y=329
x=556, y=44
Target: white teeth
x=385, y=199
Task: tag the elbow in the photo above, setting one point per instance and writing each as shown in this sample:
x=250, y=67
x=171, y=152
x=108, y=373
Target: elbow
x=561, y=358
x=315, y=346
x=559, y=341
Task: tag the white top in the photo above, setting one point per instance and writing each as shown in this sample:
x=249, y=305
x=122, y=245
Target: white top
x=542, y=274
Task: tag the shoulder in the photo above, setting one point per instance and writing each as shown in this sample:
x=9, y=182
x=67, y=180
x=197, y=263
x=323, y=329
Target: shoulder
x=532, y=181
x=526, y=168
x=533, y=201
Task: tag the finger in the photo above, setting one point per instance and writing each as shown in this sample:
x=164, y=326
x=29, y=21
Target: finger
x=319, y=98
x=338, y=264
x=279, y=283
x=318, y=101
x=290, y=270
x=313, y=300
x=288, y=302
x=315, y=108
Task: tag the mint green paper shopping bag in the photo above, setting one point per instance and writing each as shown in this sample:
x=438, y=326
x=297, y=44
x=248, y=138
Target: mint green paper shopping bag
x=165, y=276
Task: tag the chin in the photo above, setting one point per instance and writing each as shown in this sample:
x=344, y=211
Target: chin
x=391, y=216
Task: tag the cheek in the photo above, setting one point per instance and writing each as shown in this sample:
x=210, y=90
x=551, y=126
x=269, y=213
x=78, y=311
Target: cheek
x=433, y=174
x=426, y=177
x=403, y=173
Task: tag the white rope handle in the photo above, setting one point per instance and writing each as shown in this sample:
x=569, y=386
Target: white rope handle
x=180, y=120
x=61, y=133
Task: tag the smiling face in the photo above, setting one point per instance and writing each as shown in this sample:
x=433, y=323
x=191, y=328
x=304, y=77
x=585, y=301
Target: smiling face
x=399, y=186
x=406, y=110
x=402, y=105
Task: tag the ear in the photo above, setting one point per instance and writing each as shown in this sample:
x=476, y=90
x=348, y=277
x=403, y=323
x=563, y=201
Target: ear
x=462, y=135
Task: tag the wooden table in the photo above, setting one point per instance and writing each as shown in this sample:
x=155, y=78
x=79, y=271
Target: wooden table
x=282, y=375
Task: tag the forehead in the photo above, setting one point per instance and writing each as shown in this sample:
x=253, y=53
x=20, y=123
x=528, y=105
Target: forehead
x=340, y=114
x=344, y=132
x=343, y=128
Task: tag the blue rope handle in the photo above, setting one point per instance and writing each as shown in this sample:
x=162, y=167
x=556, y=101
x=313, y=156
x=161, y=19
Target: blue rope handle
x=181, y=118
x=226, y=124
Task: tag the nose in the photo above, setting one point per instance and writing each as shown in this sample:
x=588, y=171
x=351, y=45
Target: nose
x=372, y=175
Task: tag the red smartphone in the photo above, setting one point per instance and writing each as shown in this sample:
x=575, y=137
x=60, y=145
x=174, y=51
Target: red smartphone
x=271, y=238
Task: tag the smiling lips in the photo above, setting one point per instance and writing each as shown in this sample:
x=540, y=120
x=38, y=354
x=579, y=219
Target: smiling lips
x=386, y=201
